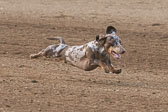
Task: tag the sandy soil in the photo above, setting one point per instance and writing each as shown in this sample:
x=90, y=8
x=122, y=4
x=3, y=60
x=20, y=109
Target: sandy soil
x=48, y=85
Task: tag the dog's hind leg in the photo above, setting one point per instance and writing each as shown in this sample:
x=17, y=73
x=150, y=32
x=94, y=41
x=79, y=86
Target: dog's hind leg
x=48, y=52
x=40, y=54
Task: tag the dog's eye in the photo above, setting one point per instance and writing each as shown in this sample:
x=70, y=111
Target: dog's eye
x=112, y=44
x=120, y=41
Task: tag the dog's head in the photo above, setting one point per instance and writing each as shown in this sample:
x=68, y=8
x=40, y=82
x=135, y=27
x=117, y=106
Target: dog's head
x=111, y=42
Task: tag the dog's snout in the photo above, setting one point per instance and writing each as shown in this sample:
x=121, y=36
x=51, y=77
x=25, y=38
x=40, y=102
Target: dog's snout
x=123, y=51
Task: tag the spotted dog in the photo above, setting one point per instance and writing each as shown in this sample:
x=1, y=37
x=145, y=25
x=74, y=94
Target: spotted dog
x=89, y=56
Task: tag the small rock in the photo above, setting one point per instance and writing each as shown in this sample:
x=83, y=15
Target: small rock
x=153, y=92
x=156, y=24
x=34, y=81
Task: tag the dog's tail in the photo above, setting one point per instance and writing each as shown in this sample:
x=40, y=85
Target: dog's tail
x=58, y=38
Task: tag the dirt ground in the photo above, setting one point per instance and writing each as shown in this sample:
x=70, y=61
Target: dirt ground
x=48, y=85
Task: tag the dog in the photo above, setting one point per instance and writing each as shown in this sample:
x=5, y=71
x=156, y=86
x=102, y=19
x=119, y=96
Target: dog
x=89, y=56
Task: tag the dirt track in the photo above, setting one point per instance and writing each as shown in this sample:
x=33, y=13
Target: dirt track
x=47, y=85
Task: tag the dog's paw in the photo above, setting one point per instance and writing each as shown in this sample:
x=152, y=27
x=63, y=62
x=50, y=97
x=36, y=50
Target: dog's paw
x=117, y=71
x=106, y=71
x=33, y=56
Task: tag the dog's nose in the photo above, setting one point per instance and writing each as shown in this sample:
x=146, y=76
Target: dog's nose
x=123, y=51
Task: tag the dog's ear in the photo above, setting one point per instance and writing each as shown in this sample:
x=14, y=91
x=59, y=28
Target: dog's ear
x=100, y=37
x=102, y=40
x=110, y=29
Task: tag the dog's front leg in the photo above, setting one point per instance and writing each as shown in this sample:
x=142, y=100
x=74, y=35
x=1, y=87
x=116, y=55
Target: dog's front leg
x=93, y=61
x=114, y=70
x=102, y=65
x=111, y=67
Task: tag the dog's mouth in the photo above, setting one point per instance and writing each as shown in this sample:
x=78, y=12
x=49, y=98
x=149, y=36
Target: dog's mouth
x=115, y=55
